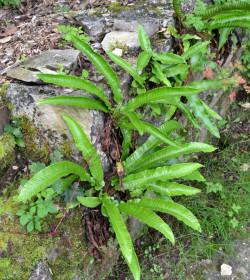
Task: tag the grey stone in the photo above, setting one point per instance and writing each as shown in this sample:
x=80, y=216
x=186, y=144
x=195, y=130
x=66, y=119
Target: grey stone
x=24, y=75
x=121, y=39
x=129, y=20
x=47, y=118
x=225, y=270
x=40, y=272
x=50, y=60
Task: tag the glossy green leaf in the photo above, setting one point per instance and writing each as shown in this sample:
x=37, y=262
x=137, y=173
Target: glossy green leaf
x=147, y=127
x=200, y=112
x=134, y=265
x=230, y=21
x=83, y=143
x=135, y=121
x=49, y=175
x=75, y=82
x=224, y=32
x=198, y=47
x=120, y=229
x=102, y=66
x=206, y=84
x=166, y=128
x=149, y=218
x=67, y=181
x=172, y=208
x=160, y=173
x=126, y=66
x=171, y=188
x=82, y=102
x=91, y=202
x=158, y=94
x=221, y=9
x=143, y=39
x=156, y=69
x=194, y=176
x=30, y=226
x=176, y=70
x=168, y=58
x=167, y=153
x=142, y=60
x=177, y=8
x=211, y=112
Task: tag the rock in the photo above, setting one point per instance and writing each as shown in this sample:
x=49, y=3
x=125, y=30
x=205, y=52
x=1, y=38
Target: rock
x=49, y=60
x=40, y=272
x=47, y=118
x=121, y=40
x=104, y=21
x=24, y=75
x=4, y=117
x=225, y=270
x=243, y=271
x=117, y=52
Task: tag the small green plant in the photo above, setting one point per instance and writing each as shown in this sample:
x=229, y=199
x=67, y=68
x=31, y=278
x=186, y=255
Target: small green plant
x=14, y=129
x=61, y=9
x=8, y=21
x=13, y=3
x=33, y=212
x=22, y=58
x=213, y=188
x=62, y=70
x=68, y=31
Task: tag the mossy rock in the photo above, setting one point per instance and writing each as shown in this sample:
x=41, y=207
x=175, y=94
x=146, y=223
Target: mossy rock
x=7, y=152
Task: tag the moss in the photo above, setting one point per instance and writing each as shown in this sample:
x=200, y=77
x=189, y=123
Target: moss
x=117, y=7
x=33, y=151
x=158, y=11
x=7, y=152
x=3, y=99
x=124, y=48
x=65, y=149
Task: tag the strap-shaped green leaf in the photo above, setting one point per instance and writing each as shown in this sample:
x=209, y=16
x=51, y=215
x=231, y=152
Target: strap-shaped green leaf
x=168, y=58
x=126, y=66
x=82, y=142
x=75, y=82
x=102, y=66
x=126, y=143
x=211, y=112
x=142, y=60
x=160, y=173
x=221, y=9
x=242, y=21
x=120, y=229
x=172, y=208
x=171, y=188
x=82, y=102
x=143, y=39
x=158, y=94
x=167, y=153
x=149, y=218
x=200, y=112
x=194, y=176
x=176, y=70
x=147, y=127
x=201, y=46
x=177, y=8
x=49, y=175
x=134, y=265
x=156, y=69
x=206, y=84
x=166, y=128
x=224, y=32
x=135, y=121
x=91, y=202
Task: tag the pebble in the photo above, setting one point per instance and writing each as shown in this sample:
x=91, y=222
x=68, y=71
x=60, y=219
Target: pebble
x=225, y=270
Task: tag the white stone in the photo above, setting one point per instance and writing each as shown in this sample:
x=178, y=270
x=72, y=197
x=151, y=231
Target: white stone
x=225, y=270
x=121, y=38
x=117, y=52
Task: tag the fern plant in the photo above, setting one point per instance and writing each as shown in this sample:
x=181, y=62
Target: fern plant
x=224, y=17
x=147, y=170
x=150, y=169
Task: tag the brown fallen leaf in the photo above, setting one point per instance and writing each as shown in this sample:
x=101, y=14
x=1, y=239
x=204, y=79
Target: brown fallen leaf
x=5, y=40
x=10, y=31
